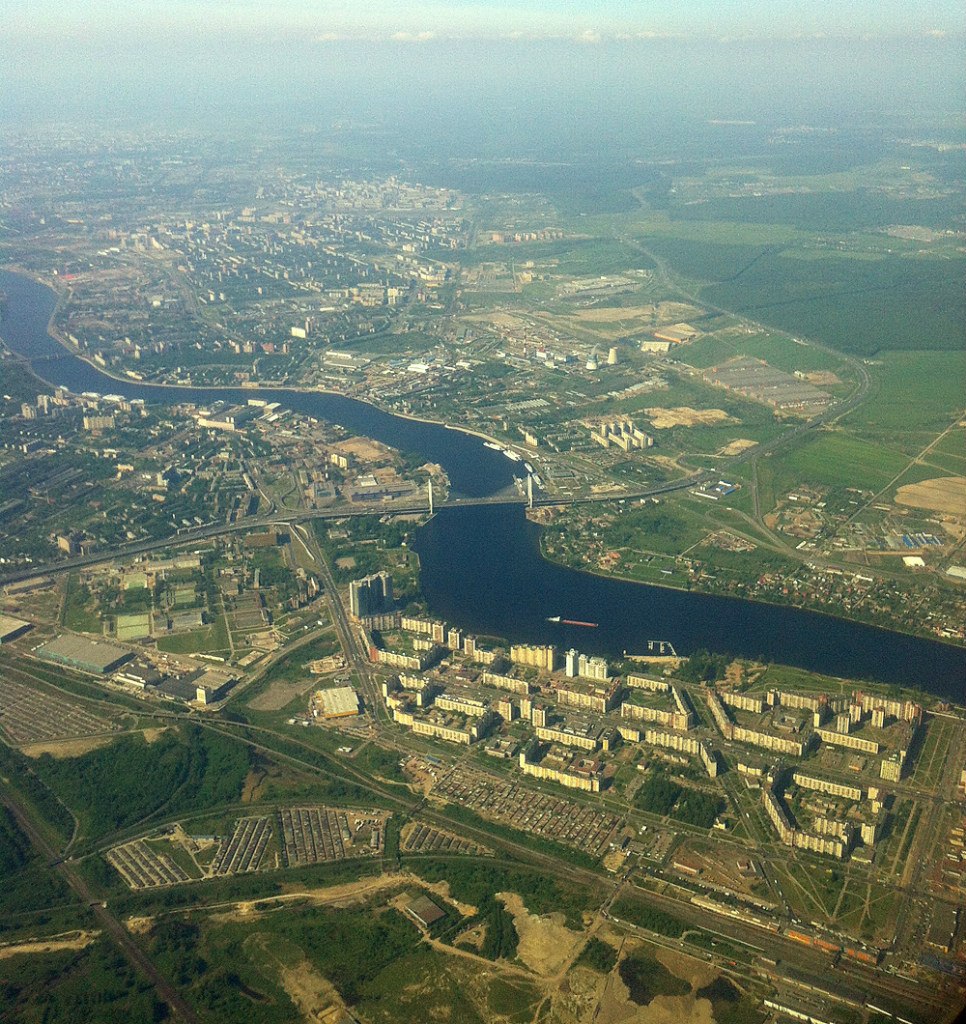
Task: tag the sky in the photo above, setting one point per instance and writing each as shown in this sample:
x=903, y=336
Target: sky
x=587, y=21
x=582, y=58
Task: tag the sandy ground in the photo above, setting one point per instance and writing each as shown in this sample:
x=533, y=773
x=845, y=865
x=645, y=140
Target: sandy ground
x=316, y=998
x=546, y=944
x=364, y=449
x=737, y=446
x=666, y=312
x=52, y=944
x=281, y=693
x=944, y=494
x=616, y=1006
x=343, y=895
x=67, y=748
x=685, y=416
x=612, y=314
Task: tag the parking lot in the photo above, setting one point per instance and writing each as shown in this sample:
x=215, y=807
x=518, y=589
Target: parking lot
x=529, y=810
x=419, y=838
x=311, y=835
x=143, y=867
x=244, y=849
x=32, y=716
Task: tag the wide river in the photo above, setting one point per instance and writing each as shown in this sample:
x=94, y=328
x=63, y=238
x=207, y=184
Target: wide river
x=482, y=568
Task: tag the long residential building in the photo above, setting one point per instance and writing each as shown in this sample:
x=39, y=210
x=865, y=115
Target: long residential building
x=502, y=682
x=768, y=741
x=418, y=661
x=589, y=781
x=464, y=705
x=831, y=843
x=588, y=740
x=842, y=789
x=720, y=716
x=743, y=702
x=646, y=683
x=660, y=716
x=907, y=710
x=796, y=700
x=432, y=628
x=685, y=744
x=842, y=739
x=441, y=730
x=590, y=696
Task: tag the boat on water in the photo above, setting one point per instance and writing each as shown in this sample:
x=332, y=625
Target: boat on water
x=495, y=447
x=571, y=622
x=510, y=454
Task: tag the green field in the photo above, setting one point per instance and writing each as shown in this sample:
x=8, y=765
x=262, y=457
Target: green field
x=914, y=394
x=836, y=460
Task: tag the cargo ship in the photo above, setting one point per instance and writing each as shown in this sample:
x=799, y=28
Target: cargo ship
x=571, y=622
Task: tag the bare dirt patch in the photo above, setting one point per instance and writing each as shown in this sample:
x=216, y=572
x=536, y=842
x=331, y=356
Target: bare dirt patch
x=67, y=748
x=685, y=416
x=676, y=1010
x=52, y=944
x=686, y=967
x=614, y=314
x=737, y=446
x=254, y=781
x=315, y=997
x=822, y=378
x=943, y=494
x=442, y=889
x=150, y=735
x=279, y=694
x=546, y=943
x=364, y=449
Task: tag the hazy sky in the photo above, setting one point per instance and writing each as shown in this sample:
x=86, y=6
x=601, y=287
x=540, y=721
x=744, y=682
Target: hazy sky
x=395, y=59
x=424, y=20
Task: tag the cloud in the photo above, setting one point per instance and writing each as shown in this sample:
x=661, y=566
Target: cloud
x=590, y=36
x=412, y=37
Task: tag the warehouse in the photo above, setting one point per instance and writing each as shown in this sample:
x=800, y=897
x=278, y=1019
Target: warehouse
x=94, y=656
x=11, y=628
x=340, y=702
x=423, y=910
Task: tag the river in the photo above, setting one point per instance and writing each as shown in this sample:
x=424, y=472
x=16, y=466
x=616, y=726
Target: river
x=482, y=568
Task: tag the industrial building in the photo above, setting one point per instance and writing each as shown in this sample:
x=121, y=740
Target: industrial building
x=94, y=656
x=338, y=702
x=423, y=910
x=11, y=628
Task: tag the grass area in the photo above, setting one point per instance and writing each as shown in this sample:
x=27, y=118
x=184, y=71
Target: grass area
x=211, y=640
x=786, y=677
x=914, y=396
x=598, y=955
x=256, y=968
x=777, y=350
x=80, y=607
x=833, y=459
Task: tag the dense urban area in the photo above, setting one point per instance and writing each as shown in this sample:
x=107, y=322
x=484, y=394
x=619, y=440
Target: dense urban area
x=251, y=772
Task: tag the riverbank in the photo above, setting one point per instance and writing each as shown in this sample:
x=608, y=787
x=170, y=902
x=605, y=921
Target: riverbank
x=698, y=589
x=481, y=566
x=253, y=386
